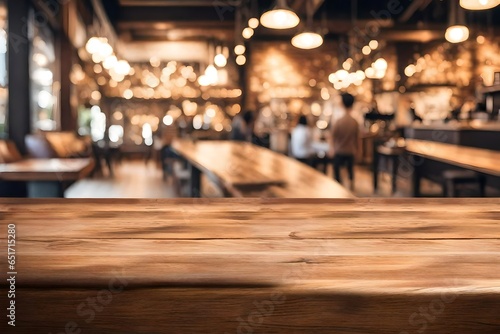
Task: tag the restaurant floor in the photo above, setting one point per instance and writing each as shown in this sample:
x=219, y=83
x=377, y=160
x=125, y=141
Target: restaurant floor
x=136, y=179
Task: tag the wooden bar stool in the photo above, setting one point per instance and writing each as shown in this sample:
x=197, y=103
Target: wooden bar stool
x=454, y=178
x=392, y=154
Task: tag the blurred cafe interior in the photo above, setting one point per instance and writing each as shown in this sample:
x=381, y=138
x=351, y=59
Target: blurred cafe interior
x=250, y=166
x=170, y=98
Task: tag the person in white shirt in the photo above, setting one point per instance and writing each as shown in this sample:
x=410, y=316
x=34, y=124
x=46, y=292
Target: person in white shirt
x=301, y=143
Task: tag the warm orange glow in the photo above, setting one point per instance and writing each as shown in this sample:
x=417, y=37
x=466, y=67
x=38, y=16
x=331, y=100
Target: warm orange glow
x=280, y=17
x=479, y=4
x=457, y=34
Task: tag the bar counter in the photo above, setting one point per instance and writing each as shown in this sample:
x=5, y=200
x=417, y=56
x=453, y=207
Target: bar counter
x=388, y=266
x=472, y=134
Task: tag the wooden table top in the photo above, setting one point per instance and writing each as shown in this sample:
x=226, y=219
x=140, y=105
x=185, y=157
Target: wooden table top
x=46, y=169
x=371, y=262
x=241, y=166
x=480, y=160
x=237, y=163
x=381, y=245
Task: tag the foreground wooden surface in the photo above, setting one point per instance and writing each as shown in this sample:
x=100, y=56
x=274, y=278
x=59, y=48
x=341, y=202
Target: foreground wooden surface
x=246, y=170
x=255, y=266
x=479, y=160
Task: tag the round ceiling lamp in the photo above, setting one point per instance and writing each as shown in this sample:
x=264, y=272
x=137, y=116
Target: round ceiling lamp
x=457, y=34
x=280, y=17
x=479, y=4
x=307, y=40
x=457, y=31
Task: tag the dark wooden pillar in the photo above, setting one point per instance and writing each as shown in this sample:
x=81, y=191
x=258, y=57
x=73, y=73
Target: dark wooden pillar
x=19, y=111
x=67, y=55
x=68, y=111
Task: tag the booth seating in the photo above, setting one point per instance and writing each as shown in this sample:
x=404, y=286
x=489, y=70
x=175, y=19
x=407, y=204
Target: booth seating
x=10, y=154
x=452, y=179
x=49, y=145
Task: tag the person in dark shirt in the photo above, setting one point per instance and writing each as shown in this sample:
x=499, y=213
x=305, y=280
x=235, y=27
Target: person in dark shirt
x=242, y=127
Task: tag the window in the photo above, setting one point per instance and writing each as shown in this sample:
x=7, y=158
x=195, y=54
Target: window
x=44, y=84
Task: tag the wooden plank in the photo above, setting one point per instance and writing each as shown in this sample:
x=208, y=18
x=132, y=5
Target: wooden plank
x=198, y=266
x=480, y=160
x=272, y=310
x=410, y=264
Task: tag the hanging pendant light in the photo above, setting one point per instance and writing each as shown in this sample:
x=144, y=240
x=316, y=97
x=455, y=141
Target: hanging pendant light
x=308, y=39
x=220, y=58
x=280, y=17
x=479, y=4
x=457, y=32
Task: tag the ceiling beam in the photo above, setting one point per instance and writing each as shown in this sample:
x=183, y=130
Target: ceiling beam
x=298, y=5
x=301, y=5
x=412, y=9
x=187, y=14
x=168, y=3
x=317, y=4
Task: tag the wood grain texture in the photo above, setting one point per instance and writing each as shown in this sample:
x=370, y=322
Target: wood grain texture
x=247, y=170
x=46, y=170
x=256, y=266
x=480, y=160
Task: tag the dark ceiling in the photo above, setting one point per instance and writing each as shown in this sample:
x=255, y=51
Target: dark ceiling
x=163, y=20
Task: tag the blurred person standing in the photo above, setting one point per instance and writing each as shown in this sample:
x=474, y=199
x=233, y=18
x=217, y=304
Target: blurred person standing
x=345, y=138
x=242, y=127
x=301, y=143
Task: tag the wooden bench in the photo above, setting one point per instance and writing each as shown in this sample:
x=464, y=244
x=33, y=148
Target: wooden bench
x=246, y=170
x=371, y=266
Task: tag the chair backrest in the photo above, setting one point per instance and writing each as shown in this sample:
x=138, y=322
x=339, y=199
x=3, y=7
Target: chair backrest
x=62, y=142
x=9, y=152
x=38, y=147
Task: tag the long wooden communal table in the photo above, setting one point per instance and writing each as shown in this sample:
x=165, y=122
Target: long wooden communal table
x=246, y=170
x=371, y=266
x=486, y=162
x=46, y=177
